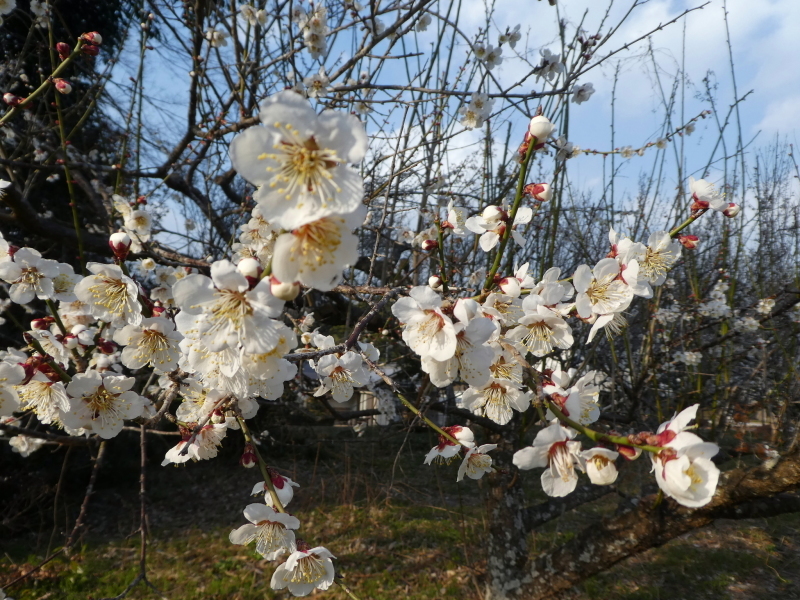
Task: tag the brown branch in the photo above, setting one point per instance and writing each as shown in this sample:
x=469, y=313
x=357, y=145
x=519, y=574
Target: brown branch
x=650, y=525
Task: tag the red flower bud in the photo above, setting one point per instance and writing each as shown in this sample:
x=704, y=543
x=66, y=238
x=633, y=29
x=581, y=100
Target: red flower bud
x=732, y=210
x=689, y=241
x=120, y=244
x=11, y=99
x=90, y=50
x=248, y=459
x=63, y=50
x=429, y=245
x=93, y=38
x=62, y=85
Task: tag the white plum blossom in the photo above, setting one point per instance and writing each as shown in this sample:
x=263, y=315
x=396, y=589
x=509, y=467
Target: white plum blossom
x=706, y=195
x=300, y=161
x=317, y=84
x=153, y=342
x=581, y=93
x=205, y=445
x=10, y=376
x=284, y=488
x=428, y=331
x=423, y=22
x=445, y=450
x=495, y=399
x=492, y=223
x=340, y=374
x=541, y=331
x=25, y=445
x=30, y=276
x=555, y=450
x=599, y=290
x=684, y=470
x=472, y=356
x=47, y=399
x=100, y=403
x=600, y=466
x=765, y=306
x=550, y=65
x=315, y=253
x=304, y=571
x=110, y=295
x=271, y=530
x=476, y=463
x=227, y=312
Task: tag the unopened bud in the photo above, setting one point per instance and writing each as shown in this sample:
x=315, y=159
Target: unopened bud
x=429, y=245
x=435, y=282
x=93, y=38
x=11, y=99
x=251, y=269
x=629, y=452
x=62, y=85
x=689, y=241
x=249, y=459
x=42, y=323
x=540, y=128
x=284, y=291
x=539, y=191
x=90, y=50
x=732, y=210
x=494, y=214
x=63, y=50
x=120, y=244
x=510, y=286
x=106, y=346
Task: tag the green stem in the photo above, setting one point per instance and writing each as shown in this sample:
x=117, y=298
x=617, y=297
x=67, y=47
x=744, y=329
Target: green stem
x=674, y=233
x=442, y=263
x=596, y=436
x=523, y=171
x=262, y=465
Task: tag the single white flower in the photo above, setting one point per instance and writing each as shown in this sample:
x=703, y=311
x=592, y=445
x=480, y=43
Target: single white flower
x=600, y=465
x=316, y=253
x=47, y=399
x=304, y=571
x=445, y=450
x=317, y=85
x=428, y=331
x=10, y=376
x=706, y=195
x=284, y=488
x=495, y=400
x=271, y=530
x=581, y=93
x=476, y=462
x=205, y=445
x=227, y=312
x=100, y=403
x=340, y=374
x=300, y=161
x=555, y=451
x=110, y=295
x=542, y=331
x=600, y=291
x=153, y=342
x=30, y=276
x=25, y=445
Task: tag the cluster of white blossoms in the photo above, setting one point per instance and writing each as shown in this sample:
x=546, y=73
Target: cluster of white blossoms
x=474, y=114
x=484, y=341
x=716, y=305
x=314, y=25
x=489, y=56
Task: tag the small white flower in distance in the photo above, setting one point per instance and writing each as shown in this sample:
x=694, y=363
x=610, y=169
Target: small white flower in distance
x=428, y=331
x=271, y=530
x=555, y=451
x=25, y=445
x=600, y=465
x=305, y=570
x=111, y=296
x=476, y=463
x=581, y=93
x=339, y=375
x=765, y=306
x=300, y=161
x=445, y=450
x=317, y=85
x=423, y=22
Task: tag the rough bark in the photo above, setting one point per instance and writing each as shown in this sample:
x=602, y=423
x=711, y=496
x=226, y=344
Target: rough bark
x=741, y=493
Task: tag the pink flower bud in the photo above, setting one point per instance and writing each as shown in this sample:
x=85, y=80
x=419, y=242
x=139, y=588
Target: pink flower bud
x=11, y=99
x=429, y=245
x=120, y=244
x=63, y=50
x=689, y=241
x=93, y=38
x=284, y=291
x=510, y=286
x=539, y=191
x=62, y=85
x=90, y=50
x=42, y=323
x=732, y=210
